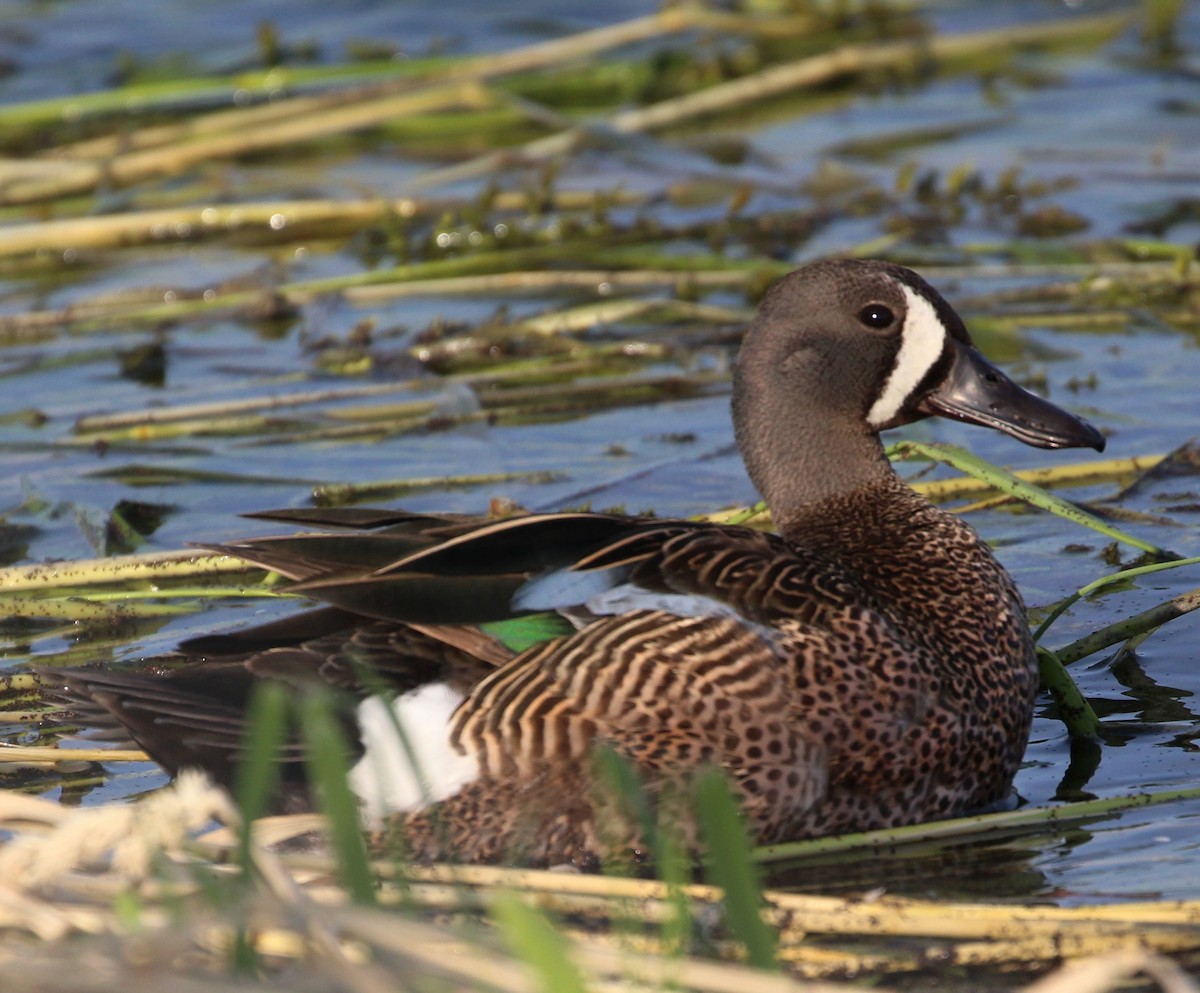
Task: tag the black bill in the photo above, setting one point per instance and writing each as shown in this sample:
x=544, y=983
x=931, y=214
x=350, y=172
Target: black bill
x=976, y=391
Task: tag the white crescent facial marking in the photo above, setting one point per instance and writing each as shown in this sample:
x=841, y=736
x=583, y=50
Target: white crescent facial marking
x=401, y=773
x=921, y=343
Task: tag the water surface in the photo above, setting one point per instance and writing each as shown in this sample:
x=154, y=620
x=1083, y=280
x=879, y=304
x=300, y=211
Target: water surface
x=1114, y=138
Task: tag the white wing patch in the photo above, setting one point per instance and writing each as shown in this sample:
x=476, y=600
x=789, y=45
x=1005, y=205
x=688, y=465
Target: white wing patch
x=408, y=762
x=922, y=341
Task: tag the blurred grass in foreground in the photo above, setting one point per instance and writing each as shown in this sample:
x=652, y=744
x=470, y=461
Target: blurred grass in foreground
x=148, y=895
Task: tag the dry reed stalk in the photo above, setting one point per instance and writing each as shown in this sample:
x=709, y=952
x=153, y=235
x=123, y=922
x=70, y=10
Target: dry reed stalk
x=152, y=567
x=165, y=150
x=49, y=755
x=1114, y=970
x=778, y=80
x=222, y=409
x=599, y=281
x=131, y=167
x=540, y=55
x=125, y=837
x=141, y=227
x=1123, y=630
x=1075, y=474
x=855, y=59
x=960, y=487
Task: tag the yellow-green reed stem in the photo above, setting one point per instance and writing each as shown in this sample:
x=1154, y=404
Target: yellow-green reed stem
x=1007, y=482
x=1116, y=577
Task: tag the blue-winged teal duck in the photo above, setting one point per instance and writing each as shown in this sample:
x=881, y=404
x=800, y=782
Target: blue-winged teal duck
x=869, y=665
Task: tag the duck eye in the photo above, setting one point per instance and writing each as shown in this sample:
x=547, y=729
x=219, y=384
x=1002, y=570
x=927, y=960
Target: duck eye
x=876, y=315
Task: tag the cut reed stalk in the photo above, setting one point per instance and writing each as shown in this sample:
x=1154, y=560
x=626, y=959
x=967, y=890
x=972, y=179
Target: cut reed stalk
x=782, y=79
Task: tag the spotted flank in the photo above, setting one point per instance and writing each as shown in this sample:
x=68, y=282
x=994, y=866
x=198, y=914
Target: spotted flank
x=869, y=665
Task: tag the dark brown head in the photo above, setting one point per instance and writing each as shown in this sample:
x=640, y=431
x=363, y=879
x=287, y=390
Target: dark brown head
x=841, y=350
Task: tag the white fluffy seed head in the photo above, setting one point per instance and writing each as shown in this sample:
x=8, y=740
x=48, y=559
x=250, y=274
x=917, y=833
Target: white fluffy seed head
x=922, y=340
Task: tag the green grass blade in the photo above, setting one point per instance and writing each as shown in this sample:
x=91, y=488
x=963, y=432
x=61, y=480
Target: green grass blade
x=674, y=866
x=533, y=939
x=619, y=783
x=257, y=775
x=255, y=781
x=1073, y=707
x=1117, y=577
x=1006, y=482
x=325, y=753
x=730, y=863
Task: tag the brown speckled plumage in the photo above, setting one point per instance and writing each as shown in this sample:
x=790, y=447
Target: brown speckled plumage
x=870, y=691
x=869, y=666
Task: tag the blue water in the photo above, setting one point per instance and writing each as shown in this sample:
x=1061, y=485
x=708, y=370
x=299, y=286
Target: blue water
x=1125, y=135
